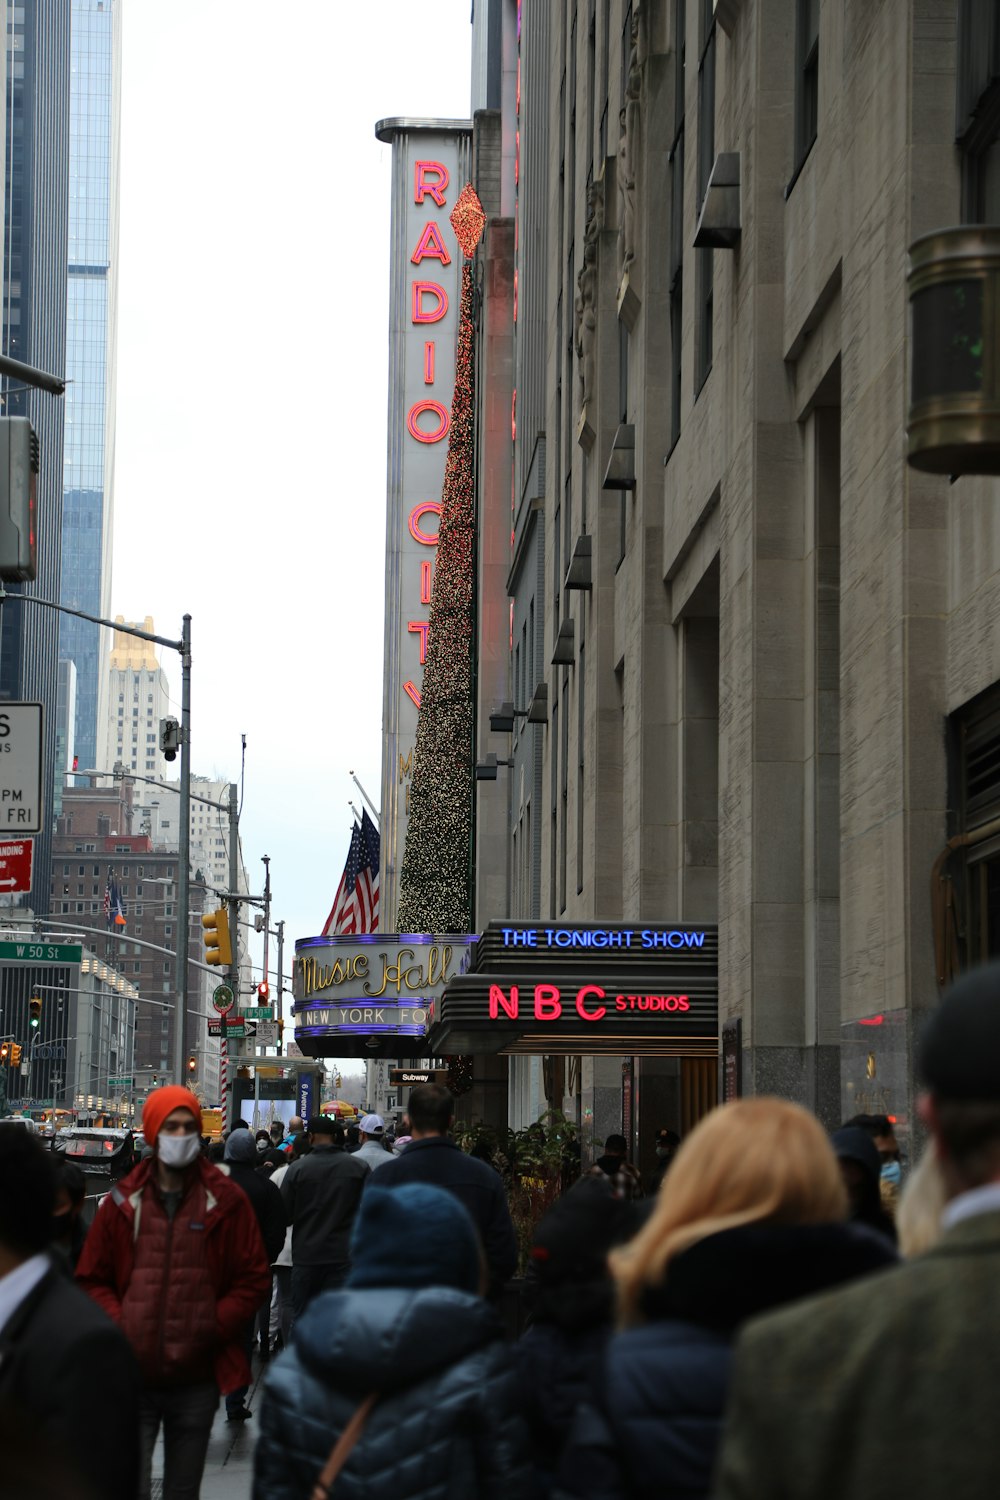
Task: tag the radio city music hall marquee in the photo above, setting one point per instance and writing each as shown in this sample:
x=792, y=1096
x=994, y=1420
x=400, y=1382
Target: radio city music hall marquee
x=369, y=995
x=430, y=165
x=584, y=988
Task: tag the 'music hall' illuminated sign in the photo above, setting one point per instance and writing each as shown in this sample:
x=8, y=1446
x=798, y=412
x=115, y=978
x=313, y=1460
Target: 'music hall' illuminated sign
x=368, y=996
x=583, y=987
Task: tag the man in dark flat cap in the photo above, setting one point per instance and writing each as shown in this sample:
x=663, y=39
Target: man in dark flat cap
x=888, y=1387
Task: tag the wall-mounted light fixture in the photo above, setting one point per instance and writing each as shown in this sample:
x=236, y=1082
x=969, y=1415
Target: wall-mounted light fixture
x=486, y=770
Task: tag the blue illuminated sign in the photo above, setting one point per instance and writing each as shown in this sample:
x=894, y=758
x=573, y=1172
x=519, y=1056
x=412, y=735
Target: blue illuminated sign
x=634, y=938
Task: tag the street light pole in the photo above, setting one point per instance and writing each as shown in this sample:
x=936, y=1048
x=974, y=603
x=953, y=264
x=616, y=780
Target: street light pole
x=184, y=859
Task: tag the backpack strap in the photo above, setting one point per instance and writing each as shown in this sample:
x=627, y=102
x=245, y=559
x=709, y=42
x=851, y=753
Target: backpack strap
x=341, y=1449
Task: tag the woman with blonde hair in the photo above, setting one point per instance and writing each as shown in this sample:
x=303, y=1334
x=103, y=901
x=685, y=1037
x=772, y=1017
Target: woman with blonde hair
x=751, y=1216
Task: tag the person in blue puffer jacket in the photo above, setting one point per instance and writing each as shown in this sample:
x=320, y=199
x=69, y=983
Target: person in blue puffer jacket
x=750, y=1217
x=411, y=1327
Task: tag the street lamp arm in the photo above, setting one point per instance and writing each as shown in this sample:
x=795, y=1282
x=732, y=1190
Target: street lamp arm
x=121, y=938
x=16, y=369
x=81, y=614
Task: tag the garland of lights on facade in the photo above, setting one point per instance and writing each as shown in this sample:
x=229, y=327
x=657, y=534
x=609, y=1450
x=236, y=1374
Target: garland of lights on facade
x=435, y=891
x=434, y=883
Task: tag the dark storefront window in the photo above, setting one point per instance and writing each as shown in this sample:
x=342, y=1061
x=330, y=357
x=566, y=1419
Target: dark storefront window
x=967, y=893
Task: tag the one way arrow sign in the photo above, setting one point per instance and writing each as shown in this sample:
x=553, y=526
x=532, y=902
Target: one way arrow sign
x=15, y=864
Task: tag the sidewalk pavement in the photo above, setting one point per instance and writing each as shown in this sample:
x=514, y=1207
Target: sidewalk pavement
x=229, y=1466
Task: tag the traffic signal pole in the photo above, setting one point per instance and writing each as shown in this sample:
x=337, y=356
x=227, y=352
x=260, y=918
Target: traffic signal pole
x=229, y=1046
x=184, y=860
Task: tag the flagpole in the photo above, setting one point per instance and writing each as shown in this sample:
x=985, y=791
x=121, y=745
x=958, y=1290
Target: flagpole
x=374, y=809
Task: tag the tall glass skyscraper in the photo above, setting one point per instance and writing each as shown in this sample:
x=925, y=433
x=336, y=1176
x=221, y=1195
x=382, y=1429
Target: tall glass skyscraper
x=91, y=341
x=35, y=142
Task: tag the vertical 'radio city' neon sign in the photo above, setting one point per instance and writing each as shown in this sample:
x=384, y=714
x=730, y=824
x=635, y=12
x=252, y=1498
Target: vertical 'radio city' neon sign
x=428, y=419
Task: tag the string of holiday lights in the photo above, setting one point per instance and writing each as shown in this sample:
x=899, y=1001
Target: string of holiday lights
x=434, y=880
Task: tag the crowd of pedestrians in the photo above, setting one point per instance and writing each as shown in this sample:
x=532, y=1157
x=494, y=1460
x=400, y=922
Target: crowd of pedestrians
x=740, y=1324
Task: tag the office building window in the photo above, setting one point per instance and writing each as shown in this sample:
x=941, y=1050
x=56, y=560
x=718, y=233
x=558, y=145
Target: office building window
x=676, y=267
x=806, y=79
x=705, y=268
x=977, y=128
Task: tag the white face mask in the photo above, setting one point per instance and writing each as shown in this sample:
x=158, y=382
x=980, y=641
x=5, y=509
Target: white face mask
x=177, y=1150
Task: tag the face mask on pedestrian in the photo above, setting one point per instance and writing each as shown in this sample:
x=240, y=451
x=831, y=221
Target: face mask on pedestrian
x=892, y=1173
x=263, y=1146
x=177, y=1150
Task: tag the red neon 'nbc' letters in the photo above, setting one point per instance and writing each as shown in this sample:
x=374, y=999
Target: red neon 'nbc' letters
x=431, y=246
x=590, y=1015
x=498, y=999
x=425, y=508
x=417, y=410
x=433, y=314
x=424, y=186
x=547, y=1003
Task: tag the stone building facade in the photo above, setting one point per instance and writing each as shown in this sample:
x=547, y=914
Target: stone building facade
x=776, y=646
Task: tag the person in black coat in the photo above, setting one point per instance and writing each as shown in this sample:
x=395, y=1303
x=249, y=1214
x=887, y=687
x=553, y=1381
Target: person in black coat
x=411, y=1328
x=69, y=1410
x=752, y=1218
x=572, y=1312
x=432, y=1157
x=241, y=1158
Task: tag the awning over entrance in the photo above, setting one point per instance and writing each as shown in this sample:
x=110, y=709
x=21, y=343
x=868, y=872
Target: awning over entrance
x=584, y=988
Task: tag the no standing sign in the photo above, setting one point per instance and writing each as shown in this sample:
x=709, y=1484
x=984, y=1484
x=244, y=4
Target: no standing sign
x=20, y=768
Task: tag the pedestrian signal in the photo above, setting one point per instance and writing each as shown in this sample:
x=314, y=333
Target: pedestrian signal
x=15, y=1055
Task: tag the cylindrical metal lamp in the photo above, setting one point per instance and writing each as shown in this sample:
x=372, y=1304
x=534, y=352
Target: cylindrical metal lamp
x=953, y=424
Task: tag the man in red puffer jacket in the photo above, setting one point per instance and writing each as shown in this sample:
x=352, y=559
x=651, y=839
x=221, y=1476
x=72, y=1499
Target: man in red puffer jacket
x=175, y=1257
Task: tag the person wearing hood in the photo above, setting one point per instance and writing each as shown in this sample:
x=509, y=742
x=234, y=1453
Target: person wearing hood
x=411, y=1330
x=572, y=1312
x=269, y=1210
x=861, y=1168
x=175, y=1257
x=753, y=1218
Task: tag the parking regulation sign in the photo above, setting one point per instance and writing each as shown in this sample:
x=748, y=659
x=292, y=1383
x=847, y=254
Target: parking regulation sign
x=15, y=865
x=20, y=768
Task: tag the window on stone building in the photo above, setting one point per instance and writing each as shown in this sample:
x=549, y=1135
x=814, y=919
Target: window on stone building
x=705, y=259
x=554, y=780
x=977, y=128
x=806, y=79
x=676, y=265
x=966, y=895
x=580, y=745
x=622, y=417
x=605, y=77
x=564, y=793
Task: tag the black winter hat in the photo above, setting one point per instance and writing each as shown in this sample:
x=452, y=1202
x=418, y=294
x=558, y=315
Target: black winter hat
x=959, y=1054
x=572, y=1241
x=851, y=1143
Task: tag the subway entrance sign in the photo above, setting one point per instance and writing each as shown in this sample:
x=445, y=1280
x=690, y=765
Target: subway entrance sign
x=410, y=1077
x=565, y=988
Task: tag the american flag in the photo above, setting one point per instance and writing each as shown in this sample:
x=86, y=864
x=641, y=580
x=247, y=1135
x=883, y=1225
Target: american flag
x=355, y=906
x=114, y=906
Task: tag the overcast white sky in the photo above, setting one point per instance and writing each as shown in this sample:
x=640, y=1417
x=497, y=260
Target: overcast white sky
x=252, y=372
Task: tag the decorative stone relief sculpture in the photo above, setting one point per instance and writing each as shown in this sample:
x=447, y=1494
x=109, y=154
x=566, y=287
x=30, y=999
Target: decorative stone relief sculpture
x=628, y=141
x=586, y=297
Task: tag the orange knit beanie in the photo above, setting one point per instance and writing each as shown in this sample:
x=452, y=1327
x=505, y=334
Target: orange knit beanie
x=163, y=1102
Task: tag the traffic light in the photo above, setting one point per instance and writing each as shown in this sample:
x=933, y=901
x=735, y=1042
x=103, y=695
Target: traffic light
x=4, y=1053
x=192, y=1063
x=218, y=946
x=35, y=1012
x=263, y=992
x=170, y=738
x=18, y=502
x=155, y=1084
x=15, y=1055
